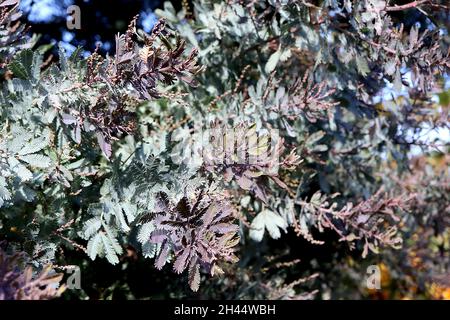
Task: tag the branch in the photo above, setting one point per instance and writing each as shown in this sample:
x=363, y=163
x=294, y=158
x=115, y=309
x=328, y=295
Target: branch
x=406, y=6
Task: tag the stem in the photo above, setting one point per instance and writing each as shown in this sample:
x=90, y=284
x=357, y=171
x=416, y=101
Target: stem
x=406, y=6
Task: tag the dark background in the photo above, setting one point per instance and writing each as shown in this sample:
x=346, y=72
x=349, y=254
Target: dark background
x=101, y=20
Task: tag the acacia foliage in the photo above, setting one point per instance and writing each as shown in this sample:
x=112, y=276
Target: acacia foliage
x=100, y=153
x=17, y=284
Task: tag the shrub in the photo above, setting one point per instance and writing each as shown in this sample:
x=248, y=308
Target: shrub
x=230, y=126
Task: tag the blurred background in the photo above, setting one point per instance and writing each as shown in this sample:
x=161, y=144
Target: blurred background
x=101, y=20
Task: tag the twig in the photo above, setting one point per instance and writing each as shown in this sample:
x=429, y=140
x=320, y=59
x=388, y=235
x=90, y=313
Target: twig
x=405, y=6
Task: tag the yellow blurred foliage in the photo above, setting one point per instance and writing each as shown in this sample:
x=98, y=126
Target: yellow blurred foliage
x=438, y=292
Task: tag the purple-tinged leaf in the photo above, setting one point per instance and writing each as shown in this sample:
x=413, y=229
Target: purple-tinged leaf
x=260, y=193
x=190, y=81
x=68, y=119
x=77, y=134
x=362, y=218
x=194, y=276
x=181, y=262
x=205, y=255
x=202, y=236
x=280, y=183
x=126, y=57
x=223, y=228
x=158, y=236
x=253, y=173
x=209, y=215
x=245, y=183
x=9, y=3
x=162, y=257
x=104, y=145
